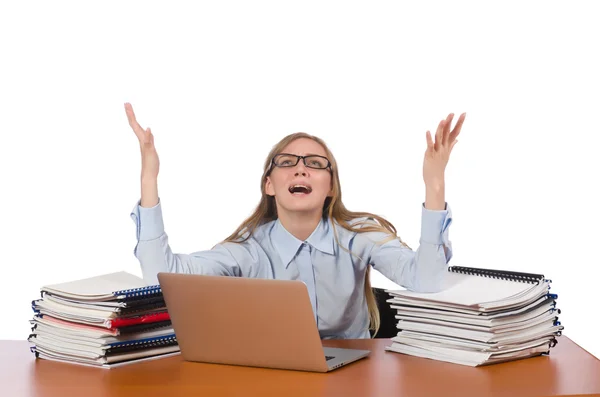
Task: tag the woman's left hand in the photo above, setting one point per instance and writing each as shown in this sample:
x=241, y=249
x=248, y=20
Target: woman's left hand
x=438, y=152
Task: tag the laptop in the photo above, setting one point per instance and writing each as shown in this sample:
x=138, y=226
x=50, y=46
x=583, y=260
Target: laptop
x=248, y=321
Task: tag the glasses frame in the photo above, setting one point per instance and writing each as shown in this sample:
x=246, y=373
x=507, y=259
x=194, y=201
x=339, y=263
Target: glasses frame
x=298, y=158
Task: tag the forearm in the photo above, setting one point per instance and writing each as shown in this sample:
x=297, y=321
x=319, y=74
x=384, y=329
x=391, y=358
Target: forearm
x=422, y=270
x=435, y=197
x=149, y=194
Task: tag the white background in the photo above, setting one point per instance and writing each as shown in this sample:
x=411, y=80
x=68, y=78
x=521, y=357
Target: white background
x=219, y=83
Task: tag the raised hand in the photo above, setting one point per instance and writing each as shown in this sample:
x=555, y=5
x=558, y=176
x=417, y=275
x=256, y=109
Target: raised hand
x=150, y=161
x=438, y=151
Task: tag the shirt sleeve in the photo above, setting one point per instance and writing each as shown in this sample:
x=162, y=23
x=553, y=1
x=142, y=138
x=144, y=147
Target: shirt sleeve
x=422, y=270
x=155, y=255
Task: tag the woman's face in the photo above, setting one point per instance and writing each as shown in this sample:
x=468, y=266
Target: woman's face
x=300, y=188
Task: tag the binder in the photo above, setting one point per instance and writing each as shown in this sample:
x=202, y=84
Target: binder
x=121, y=309
x=102, y=318
x=117, y=286
x=482, y=290
x=121, y=304
x=109, y=355
x=523, y=277
x=480, y=317
x=103, y=321
x=138, y=344
x=71, y=327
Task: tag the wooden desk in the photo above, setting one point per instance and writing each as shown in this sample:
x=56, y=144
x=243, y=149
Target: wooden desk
x=569, y=370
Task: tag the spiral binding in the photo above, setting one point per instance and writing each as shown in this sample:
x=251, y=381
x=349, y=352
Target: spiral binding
x=144, y=342
x=139, y=292
x=159, y=341
x=529, y=278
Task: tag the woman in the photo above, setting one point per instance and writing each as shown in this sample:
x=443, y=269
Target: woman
x=301, y=230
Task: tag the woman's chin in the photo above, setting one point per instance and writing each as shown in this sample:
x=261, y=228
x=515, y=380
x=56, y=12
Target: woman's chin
x=303, y=205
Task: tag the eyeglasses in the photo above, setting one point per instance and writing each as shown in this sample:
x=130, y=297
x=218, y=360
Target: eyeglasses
x=290, y=160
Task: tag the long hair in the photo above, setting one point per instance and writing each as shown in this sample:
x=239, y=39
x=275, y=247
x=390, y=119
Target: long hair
x=333, y=209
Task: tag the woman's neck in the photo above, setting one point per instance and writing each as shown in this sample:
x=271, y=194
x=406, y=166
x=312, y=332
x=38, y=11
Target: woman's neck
x=300, y=224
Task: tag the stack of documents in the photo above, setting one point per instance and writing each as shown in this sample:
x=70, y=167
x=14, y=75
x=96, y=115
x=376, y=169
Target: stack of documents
x=105, y=321
x=481, y=317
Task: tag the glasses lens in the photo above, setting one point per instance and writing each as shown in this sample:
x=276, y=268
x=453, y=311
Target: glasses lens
x=284, y=160
x=316, y=162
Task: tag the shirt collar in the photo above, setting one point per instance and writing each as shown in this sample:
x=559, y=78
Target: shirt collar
x=287, y=245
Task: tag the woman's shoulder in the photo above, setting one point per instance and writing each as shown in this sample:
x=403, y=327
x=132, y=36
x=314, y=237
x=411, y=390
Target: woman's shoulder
x=364, y=229
x=359, y=225
x=362, y=221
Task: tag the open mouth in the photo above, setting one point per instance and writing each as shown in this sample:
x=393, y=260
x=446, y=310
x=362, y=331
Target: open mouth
x=300, y=189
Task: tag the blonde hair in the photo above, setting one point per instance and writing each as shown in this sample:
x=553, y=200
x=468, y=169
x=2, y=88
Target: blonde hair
x=333, y=208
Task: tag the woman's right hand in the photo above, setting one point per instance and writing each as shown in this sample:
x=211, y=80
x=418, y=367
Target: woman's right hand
x=150, y=162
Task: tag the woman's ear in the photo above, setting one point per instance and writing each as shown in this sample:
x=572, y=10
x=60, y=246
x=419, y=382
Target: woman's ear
x=269, y=187
x=330, y=193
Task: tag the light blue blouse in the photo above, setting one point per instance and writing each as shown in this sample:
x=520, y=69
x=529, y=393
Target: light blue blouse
x=334, y=277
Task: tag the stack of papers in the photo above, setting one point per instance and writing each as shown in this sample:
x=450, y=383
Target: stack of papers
x=480, y=317
x=106, y=321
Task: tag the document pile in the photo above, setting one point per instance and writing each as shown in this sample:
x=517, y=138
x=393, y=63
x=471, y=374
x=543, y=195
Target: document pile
x=104, y=321
x=481, y=317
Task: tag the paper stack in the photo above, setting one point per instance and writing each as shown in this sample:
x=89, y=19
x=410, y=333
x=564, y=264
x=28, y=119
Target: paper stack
x=481, y=317
x=106, y=321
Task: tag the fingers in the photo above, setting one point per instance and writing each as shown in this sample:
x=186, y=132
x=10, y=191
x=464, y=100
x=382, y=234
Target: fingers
x=135, y=126
x=429, y=141
x=444, y=139
x=438, y=135
x=457, y=127
x=446, y=132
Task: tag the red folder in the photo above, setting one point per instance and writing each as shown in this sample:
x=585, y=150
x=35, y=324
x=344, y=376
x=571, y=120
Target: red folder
x=143, y=319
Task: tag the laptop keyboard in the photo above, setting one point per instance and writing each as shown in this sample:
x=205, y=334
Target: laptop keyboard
x=327, y=358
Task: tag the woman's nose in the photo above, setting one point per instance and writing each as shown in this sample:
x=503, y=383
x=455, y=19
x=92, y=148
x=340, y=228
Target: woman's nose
x=300, y=168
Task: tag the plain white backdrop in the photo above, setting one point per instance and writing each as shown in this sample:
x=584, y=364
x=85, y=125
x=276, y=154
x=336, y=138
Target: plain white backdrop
x=219, y=83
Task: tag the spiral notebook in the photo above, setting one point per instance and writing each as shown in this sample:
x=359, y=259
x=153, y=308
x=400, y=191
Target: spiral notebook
x=479, y=289
x=109, y=355
x=107, y=320
x=479, y=317
x=121, y=286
